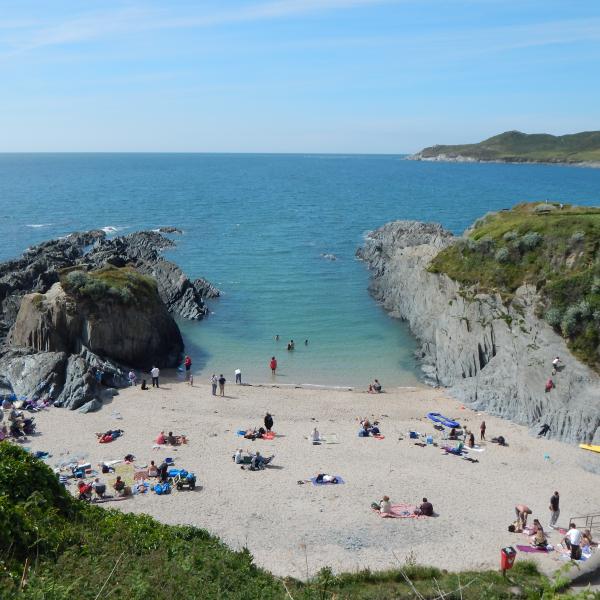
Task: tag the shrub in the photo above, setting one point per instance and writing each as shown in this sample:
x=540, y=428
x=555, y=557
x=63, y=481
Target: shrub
x=531, y=240
x=485, y=244
x=95, y=289
x=553, y=317
x=76, y=279
x=585, y=310
x=576, y=238
x=502, y=255
x=595, y=288
x=510, y=236
x=569, y=321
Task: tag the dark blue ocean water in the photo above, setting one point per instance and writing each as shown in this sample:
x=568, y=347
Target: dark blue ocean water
x=256, y=225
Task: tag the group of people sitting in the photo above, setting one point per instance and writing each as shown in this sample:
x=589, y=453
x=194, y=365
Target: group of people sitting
x=170, y=439
x=87, y=490
x=367, y=428
x=256, y=460
x=375, y=387
x=384, y=506
x=13, y=422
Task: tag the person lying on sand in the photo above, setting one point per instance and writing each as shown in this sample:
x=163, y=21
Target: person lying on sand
x=384, y=506
x=254, y=433
x=457, y=450
x=425, y=508
x=499, y=440
x=324, y=478
x=109, y=436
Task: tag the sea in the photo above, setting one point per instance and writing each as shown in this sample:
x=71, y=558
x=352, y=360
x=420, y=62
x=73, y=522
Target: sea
x=265, y=229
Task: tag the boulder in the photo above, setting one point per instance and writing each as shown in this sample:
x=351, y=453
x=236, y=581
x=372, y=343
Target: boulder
x=91, y=406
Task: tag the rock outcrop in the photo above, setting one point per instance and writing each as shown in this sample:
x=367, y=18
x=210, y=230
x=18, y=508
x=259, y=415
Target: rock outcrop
x=492, y=356
x=70, y=348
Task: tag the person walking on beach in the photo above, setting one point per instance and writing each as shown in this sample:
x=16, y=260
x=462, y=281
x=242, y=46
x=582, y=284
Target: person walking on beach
x=213, y=383
x=273, y=365
x=238, y=376
x=155, y=372
x=482, y=430
x=221, y=384
x=554, y=509
x=188, y=366
x=132, y=378
x=268, y=422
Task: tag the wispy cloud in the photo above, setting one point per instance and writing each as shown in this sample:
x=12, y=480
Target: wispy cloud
x=92, y=26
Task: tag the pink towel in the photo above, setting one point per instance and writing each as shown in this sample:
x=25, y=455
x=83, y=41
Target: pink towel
x=401, y=511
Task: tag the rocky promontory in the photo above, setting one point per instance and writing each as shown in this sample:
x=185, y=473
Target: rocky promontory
x=79, y=312
x=490, y=347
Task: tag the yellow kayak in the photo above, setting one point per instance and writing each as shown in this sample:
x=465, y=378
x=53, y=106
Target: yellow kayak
x=590, y=447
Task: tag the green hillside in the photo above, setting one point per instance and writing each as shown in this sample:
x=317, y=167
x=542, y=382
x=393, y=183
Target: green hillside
x=54, y=547
x=514, y=146
x=556, y=249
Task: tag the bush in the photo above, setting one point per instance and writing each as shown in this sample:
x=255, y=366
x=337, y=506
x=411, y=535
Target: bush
x=502, y=255
x=569, y=321
x=76, y=280
x=576, y=238
x=585, y=310
x=485, y=244
x=531, y=240
x=595, y=287
x=510, y=236
x=553, y=317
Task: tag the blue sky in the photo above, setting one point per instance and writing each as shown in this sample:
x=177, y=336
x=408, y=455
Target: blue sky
x=370, y=76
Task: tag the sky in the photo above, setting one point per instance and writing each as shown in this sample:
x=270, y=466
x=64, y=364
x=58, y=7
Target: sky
x=341, y=76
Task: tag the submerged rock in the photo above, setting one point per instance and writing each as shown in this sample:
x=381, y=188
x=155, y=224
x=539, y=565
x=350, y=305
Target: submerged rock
x=491, y=355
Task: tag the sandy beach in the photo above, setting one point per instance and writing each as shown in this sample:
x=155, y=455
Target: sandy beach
x=296, y=530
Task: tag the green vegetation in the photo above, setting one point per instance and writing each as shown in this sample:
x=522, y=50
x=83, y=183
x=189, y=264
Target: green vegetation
x=555, y=249
x=514, y=146
x=53, y=547
x=120, y=284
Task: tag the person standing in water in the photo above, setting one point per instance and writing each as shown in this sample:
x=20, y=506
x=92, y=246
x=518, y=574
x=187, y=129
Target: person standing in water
x=273, y=365
x=277, y=338
x=290, y=345
x=306, y=342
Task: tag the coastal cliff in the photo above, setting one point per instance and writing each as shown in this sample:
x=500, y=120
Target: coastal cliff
x=494, y=353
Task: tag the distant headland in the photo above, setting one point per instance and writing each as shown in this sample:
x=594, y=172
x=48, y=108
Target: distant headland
x=582, y=149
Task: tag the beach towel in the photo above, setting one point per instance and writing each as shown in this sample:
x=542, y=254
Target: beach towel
x=340, y=481
x=270, y=435
x=531, y=549
x=475, y=449
x=329, y=438
x=140, y=475
x=126, y=472
x=400, y=511
x=378, y=436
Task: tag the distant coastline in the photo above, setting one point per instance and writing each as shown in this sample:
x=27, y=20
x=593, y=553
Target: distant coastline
x=469, y=159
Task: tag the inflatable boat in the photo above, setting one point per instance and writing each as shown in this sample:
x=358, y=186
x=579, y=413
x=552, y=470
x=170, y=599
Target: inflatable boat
x=442, y=420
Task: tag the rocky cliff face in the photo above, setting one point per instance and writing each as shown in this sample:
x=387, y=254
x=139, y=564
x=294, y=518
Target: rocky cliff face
x=493, y=357
x=53, y=342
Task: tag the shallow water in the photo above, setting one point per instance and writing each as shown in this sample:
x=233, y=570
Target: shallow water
x=257, y=225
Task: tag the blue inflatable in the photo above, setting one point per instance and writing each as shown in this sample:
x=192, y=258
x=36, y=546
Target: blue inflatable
x=442, y=420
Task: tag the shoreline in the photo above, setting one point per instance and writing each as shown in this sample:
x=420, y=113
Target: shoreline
x=470, y=160
x=286, y=525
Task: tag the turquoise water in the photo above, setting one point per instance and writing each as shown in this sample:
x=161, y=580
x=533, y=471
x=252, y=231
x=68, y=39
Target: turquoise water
x=256, y=226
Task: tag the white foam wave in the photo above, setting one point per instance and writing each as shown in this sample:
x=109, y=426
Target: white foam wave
x=112, y=229
x=38, y=225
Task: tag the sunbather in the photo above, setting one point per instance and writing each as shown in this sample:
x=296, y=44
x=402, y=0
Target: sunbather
x=457, y=450
x=499, y=440
x=384, y=506
x=119, y=486
x=324, y=478
x=425, y=508
x=152, y=470
x=538, y=538
x=259, y=462
x=315, y=436
x=471, y=440
x=161, y=439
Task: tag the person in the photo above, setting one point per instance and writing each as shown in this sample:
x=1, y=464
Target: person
x=550, y=385
x=152, y=470
x=573, y=541
x=482, y=431
x=324, y=478
x=238, y=457
x=160, y=438
x=277, y=338
x=171, y=439
x=163, y=472
x=259, y=462
x=384, y=506
x=99, y=487
x=119, y=486
x=376, y=386
x=556, y=363
x=132, y=378
x=315, y=436
x=144, y=385
x=425, y=508
x=538, y=539
x=522, y=510
x=499, y=440
x=273, y=365
x=213, y=383
x=268, y=420
x=306, y=342
x=586, y=539
x=85, y=490
x=222, y=384
x=238, y=376
x=471, y=440
x=554, y=509
x=187, y=363
x=453, y=435
x=3, y=432
x=544, y=430
x=155, y=372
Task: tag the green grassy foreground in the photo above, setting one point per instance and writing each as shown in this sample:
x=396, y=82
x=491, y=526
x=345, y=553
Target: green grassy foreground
x=53, y=547
x=514, y=146
x=554, y=249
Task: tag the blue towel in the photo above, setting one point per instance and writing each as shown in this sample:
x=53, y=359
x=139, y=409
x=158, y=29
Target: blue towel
x=340, y=480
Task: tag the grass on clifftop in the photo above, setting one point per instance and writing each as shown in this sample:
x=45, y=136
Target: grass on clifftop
x=124, y=285
x=514, y=146
x=53, y=547
x=555, y=249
